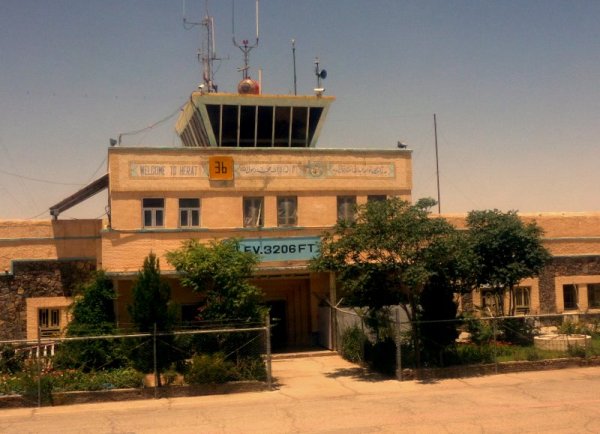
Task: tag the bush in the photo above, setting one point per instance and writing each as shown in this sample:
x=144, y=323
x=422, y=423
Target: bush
x=518, y=331
x=381, y=356
x=252, y=368
x=71, y=380
x=353, y=344
x=480, y=331
x=210, y=368
x=467, y=354
x=11, y=362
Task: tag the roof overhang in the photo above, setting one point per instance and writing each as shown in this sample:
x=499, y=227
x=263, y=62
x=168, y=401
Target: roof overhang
x=85, y=193
x=217, y=119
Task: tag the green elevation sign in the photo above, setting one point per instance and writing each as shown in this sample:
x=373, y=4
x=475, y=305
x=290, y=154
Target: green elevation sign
x=282, y=249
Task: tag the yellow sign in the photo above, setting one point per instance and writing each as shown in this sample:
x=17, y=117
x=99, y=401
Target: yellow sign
x=220, y=168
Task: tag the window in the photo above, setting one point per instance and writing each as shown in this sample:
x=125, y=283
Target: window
x=346, y=206
x=253, y=212
x=570, y=297
x=376, y=198
x=593, y=295
x=153, y=212
x=286, y=211
x=522, y=298
x=49, y=322
x=489, y=301
x=189, y=213
x=190, y=313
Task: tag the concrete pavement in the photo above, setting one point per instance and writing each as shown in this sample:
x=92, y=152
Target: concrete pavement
x=330, y=395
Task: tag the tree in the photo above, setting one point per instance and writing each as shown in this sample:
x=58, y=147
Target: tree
x=151, y=311
x=505, y=250
x=389, y=255
x=151, y=298
x=220, y=272
x=93, y=314
x=450, y=262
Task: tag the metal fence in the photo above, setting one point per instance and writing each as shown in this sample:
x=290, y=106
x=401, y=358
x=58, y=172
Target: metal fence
x=155, y=361
x=406, y=349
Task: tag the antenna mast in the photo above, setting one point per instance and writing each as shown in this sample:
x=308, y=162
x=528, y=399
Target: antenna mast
x=206, y=52
x=245, y=47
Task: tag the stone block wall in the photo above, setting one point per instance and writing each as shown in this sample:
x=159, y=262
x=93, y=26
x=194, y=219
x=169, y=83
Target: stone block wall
x=52, y=278
x=563, y=266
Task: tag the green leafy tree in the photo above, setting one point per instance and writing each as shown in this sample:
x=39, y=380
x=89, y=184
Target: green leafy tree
x=220, y=272
x=505, y=251
x=93, y=314
x=450, y=263
x=389, y=255
x=151, y=298
x=151, y=310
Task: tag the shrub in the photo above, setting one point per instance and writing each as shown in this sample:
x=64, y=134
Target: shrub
x=11, y=362
x=577, y=351
x=480, y=331
x=210, y=368
x=353, y=344
x=252, y=368
x=470, y=354
x=71, y=380
x=518, y=331
x=381, y=356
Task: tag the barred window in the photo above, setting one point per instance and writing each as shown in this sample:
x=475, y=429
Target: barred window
x=49, y=321
x=287, y=211
x=522, y=298
x=253, y=211
x=346, y=207
x=594, y=295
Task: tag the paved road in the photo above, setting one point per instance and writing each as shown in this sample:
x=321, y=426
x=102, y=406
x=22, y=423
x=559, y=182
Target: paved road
x=329, y=395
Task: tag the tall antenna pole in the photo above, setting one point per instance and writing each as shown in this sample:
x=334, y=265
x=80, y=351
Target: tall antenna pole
x=244, y=46
x=437, y=166
x=206, y=52
x=294, y=57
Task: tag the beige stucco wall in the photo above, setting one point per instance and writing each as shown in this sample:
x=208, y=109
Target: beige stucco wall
x=47, y=239
x=565, y=234
x=316, y=176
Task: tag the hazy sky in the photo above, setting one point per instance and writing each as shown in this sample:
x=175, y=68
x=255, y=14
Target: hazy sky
x=515, y=86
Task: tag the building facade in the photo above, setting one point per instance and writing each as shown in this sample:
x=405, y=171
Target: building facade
x=248, y=169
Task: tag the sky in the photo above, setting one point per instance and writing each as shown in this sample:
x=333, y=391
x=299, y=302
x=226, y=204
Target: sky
x=515, y=86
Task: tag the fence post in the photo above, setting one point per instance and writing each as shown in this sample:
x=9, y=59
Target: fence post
x=156, y=374
x=39, y=366
x=268, y=349
x=494, y=343
x=398, y=346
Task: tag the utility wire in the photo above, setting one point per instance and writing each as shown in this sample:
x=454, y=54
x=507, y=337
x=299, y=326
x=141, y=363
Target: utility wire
x=46, y=181
x=149, y=127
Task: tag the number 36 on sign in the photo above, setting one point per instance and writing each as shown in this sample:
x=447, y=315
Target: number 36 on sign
x=220, y=168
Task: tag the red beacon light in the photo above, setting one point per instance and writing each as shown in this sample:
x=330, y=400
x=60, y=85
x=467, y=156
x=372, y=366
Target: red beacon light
x=248, y=87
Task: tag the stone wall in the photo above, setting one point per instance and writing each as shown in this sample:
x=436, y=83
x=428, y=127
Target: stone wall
x=36, y=279
x=563, y=266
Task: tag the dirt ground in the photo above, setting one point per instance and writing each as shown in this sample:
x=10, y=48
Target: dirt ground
x=329, y=395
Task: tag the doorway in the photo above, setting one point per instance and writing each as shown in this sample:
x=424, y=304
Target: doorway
x=277, y=316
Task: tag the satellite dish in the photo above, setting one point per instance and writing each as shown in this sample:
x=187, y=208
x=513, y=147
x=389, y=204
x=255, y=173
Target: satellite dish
x=323, y=74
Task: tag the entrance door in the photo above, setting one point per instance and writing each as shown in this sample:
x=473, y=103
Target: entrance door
x=278, y=323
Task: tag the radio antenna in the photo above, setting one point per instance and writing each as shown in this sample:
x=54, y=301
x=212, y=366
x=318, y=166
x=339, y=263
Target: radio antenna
x=245, y=46
x=207, y=52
